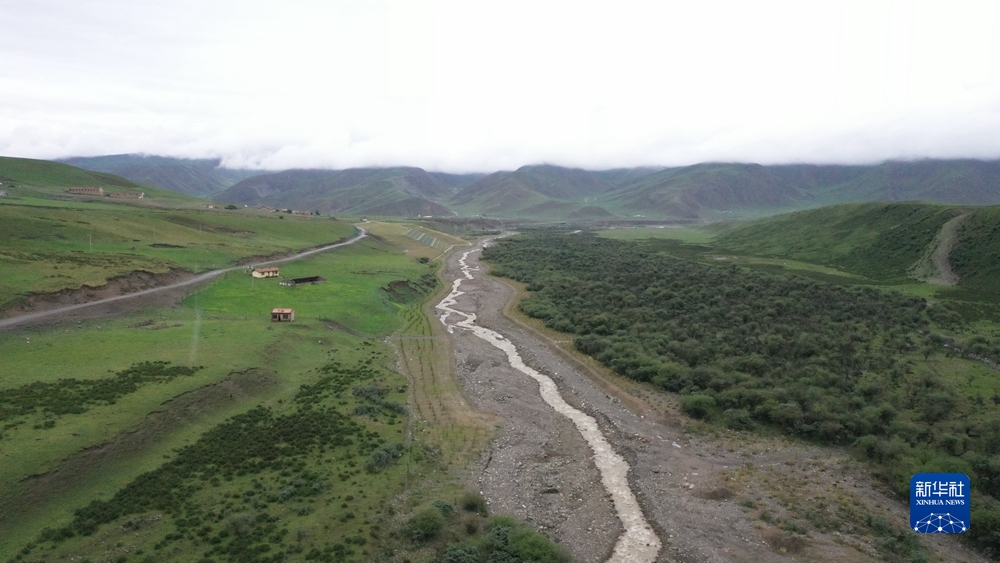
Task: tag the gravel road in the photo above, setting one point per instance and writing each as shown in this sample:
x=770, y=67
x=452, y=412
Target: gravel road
x=113, y=305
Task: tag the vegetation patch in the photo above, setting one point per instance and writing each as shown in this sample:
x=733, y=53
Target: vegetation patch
x=833, y=364
x=76, y=396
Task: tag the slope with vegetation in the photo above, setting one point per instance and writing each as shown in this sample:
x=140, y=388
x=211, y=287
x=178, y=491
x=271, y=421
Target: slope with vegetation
x=195, y=177
x=404, y=192
x=878, y=241
x=748, y=350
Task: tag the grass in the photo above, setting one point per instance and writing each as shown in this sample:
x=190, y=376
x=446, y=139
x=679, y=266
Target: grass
x=226, y=328
x=55, y=248
x=416, y=241
x=874, y=240
x=692, y=235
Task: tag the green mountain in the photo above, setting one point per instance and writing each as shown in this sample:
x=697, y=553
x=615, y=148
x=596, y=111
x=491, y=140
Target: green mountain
x=54, y=174
x=724, y=189
x=402, y=191
x=876, y=240
x=542, y=191
x=196, y=177
x=890, y=243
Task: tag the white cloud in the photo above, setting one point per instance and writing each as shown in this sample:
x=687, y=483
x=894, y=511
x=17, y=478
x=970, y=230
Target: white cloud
x=480, y=86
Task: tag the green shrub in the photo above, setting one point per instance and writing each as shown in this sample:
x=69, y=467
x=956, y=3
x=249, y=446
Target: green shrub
x=698, y=406
x=738, y=419
x=445, y=507
x=473, y=502
x=425, y=524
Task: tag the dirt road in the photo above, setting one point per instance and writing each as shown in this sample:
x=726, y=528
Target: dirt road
x=163, y=289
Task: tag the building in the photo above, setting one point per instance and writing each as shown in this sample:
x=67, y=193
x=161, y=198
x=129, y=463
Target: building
x=128, y=195
x=304, y=281
x=279, y=315
x=265, y=272
x=86, y=191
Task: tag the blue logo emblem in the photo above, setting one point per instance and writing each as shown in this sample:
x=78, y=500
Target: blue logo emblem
x=939, y=503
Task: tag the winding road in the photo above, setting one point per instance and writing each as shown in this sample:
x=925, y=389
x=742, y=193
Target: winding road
x=31, y=317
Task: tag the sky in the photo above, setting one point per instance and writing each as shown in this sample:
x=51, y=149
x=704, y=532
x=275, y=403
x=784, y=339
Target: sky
x=471, y=86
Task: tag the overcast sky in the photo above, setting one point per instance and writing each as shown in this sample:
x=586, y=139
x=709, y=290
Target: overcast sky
x=480, y=86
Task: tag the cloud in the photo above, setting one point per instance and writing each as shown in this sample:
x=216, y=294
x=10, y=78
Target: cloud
x=464, y=86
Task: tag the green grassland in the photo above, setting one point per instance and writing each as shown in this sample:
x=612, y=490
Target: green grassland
x=226, y=329
x=693, y=235
x=877, y=241
x=54, y=240
x=52, y=248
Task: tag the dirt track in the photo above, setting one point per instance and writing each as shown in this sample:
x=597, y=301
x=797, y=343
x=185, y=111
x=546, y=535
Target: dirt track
x=74, y=306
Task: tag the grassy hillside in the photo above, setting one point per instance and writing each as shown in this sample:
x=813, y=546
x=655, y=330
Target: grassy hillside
x=721, y=190
x=195, y=177
x=694, y=190
x=976, y=255
x=48, y=248
x=878, y=241
x=33, y=172
x=542, y=191
x=405, y=192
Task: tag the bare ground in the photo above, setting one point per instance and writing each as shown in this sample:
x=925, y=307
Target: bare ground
x=935, y=267
x=710, y=498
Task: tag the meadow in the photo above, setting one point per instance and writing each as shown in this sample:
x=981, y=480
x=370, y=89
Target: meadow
x=221, y=332
x=52, y=246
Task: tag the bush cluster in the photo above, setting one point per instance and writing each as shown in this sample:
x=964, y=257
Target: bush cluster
x=77, y=396
x=746, y=349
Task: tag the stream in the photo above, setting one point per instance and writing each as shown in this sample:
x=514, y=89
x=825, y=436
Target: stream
x=639, y=543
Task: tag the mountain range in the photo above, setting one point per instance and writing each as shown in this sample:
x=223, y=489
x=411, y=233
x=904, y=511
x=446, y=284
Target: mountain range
x=194, y=177
x=547, y=192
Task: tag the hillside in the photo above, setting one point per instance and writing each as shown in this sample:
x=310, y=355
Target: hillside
x=878, y=241
x=54, y=174
x=405, y=192
x=692, y=191
x=886, y=243
x=196, y=177
x=543, y=191
x=547, y=192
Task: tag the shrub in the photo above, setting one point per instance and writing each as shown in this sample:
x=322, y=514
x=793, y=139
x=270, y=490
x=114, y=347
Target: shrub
x=738, y=419
x=425, y=524
x=697, y=406
x=383, y=457
x=445, y=507
x=473, y=502
x=460, y=554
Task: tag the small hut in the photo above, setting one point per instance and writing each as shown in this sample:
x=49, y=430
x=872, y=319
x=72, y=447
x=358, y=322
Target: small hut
x=280, y=315
x=310, y=280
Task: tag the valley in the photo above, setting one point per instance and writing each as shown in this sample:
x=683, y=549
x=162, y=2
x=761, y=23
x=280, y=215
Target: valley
x=739, y=391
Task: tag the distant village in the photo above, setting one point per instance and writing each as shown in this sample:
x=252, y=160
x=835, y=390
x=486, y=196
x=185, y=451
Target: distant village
x=270, y=209
x=90, y=190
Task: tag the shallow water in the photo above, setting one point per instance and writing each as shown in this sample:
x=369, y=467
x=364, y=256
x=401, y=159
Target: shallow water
x=638, y=543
